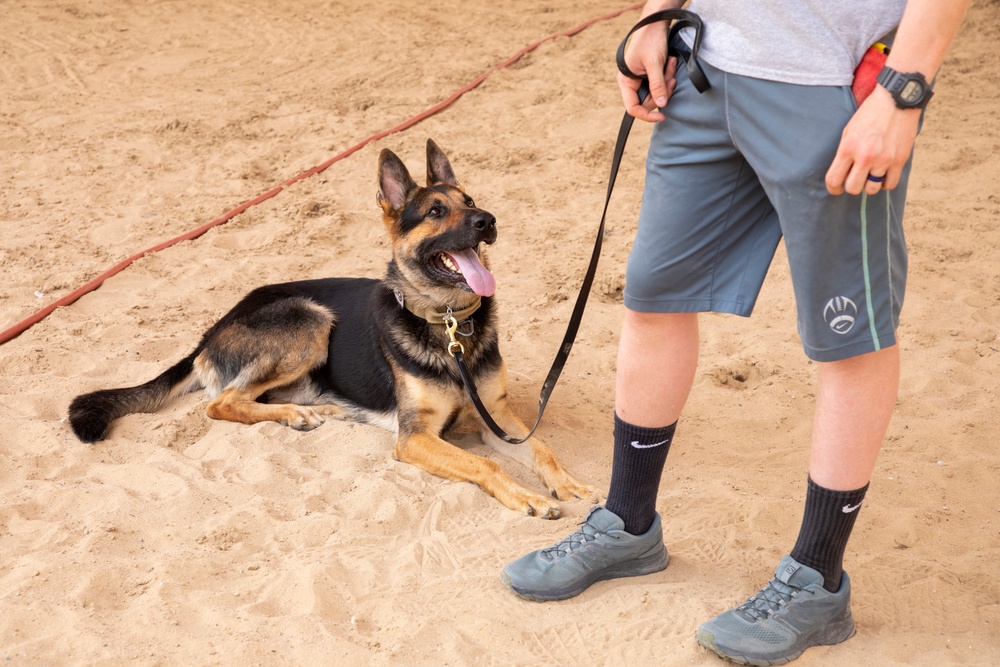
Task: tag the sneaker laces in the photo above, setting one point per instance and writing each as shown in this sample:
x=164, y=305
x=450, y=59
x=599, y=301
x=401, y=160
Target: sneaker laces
x=586, y=533
x=768, y=600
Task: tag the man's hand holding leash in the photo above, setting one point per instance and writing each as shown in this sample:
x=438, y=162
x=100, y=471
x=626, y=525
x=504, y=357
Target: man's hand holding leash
x=646, y=55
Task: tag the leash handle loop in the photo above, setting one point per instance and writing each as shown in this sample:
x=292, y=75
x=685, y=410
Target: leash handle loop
x=682, y=19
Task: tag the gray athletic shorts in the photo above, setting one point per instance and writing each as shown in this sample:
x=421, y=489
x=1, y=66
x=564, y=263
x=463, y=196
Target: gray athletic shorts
x=732, y=171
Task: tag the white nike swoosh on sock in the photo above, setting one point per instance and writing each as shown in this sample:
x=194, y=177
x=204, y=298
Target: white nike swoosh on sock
x=847, y=509
x=635, y=443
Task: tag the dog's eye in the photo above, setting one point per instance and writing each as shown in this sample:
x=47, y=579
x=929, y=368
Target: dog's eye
x=435, y=212
x=469, y=202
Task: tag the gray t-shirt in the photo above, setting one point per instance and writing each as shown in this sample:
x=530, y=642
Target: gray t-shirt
x=809, y=42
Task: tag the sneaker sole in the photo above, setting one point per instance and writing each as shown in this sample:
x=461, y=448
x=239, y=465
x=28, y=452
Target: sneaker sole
x=841, y=632
x=634, y=568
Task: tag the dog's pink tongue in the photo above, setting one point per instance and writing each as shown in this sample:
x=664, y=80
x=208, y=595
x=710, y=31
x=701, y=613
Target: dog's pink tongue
x=478, y=276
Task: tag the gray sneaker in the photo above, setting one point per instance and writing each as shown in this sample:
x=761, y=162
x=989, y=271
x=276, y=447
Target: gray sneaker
x=600, y=549
x=790, y=614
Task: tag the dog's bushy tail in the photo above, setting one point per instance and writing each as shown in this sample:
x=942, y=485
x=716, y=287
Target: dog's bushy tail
x=91, y=414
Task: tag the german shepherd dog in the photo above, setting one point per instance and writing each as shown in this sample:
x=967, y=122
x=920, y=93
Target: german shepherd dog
x=372, y=351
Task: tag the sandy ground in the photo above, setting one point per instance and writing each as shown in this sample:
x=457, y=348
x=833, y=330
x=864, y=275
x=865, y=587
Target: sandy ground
x=184, y=541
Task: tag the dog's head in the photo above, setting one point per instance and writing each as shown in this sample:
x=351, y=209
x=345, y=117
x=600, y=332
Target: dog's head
x=437, y=231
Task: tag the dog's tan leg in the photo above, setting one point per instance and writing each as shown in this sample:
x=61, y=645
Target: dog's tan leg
x=443, y=459
x=240, y=405
x=536, y=455
x=424, y=409
x=533, y=453
x=305, y=394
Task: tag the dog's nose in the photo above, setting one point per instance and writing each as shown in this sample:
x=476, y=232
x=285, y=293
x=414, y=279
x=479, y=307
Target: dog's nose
x=485, y=226
x=483, y=221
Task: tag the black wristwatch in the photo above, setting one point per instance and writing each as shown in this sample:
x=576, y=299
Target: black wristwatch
x=909, y=90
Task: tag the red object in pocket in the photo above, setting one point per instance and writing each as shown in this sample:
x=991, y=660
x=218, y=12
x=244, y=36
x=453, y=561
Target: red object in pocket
x=867, y=72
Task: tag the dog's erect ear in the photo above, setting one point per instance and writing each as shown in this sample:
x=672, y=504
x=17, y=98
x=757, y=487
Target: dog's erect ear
x=394, y=182
x=438, y=167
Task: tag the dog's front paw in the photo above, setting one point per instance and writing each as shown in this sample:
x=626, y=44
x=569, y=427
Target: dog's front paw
x=528, y=502
x=302, y=419
x=570, y=488
x=539, y=506
x=542, y=507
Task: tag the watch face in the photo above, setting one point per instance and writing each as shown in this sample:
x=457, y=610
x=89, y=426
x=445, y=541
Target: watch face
x=911, y=92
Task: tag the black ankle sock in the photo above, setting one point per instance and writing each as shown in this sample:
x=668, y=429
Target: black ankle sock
x=826, y=526
x=635, y=474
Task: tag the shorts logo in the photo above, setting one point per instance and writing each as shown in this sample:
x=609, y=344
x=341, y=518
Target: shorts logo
x=840, y=313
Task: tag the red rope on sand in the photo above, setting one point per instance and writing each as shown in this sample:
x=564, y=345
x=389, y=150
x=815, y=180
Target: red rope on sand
x=96, y=282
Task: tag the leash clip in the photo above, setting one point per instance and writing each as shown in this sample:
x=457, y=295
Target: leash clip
x=451, y=326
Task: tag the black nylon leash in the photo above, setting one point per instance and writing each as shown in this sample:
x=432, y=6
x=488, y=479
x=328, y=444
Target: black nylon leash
x=682, y=19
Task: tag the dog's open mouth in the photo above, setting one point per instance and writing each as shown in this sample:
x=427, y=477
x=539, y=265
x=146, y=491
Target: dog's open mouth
x=464, y=268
